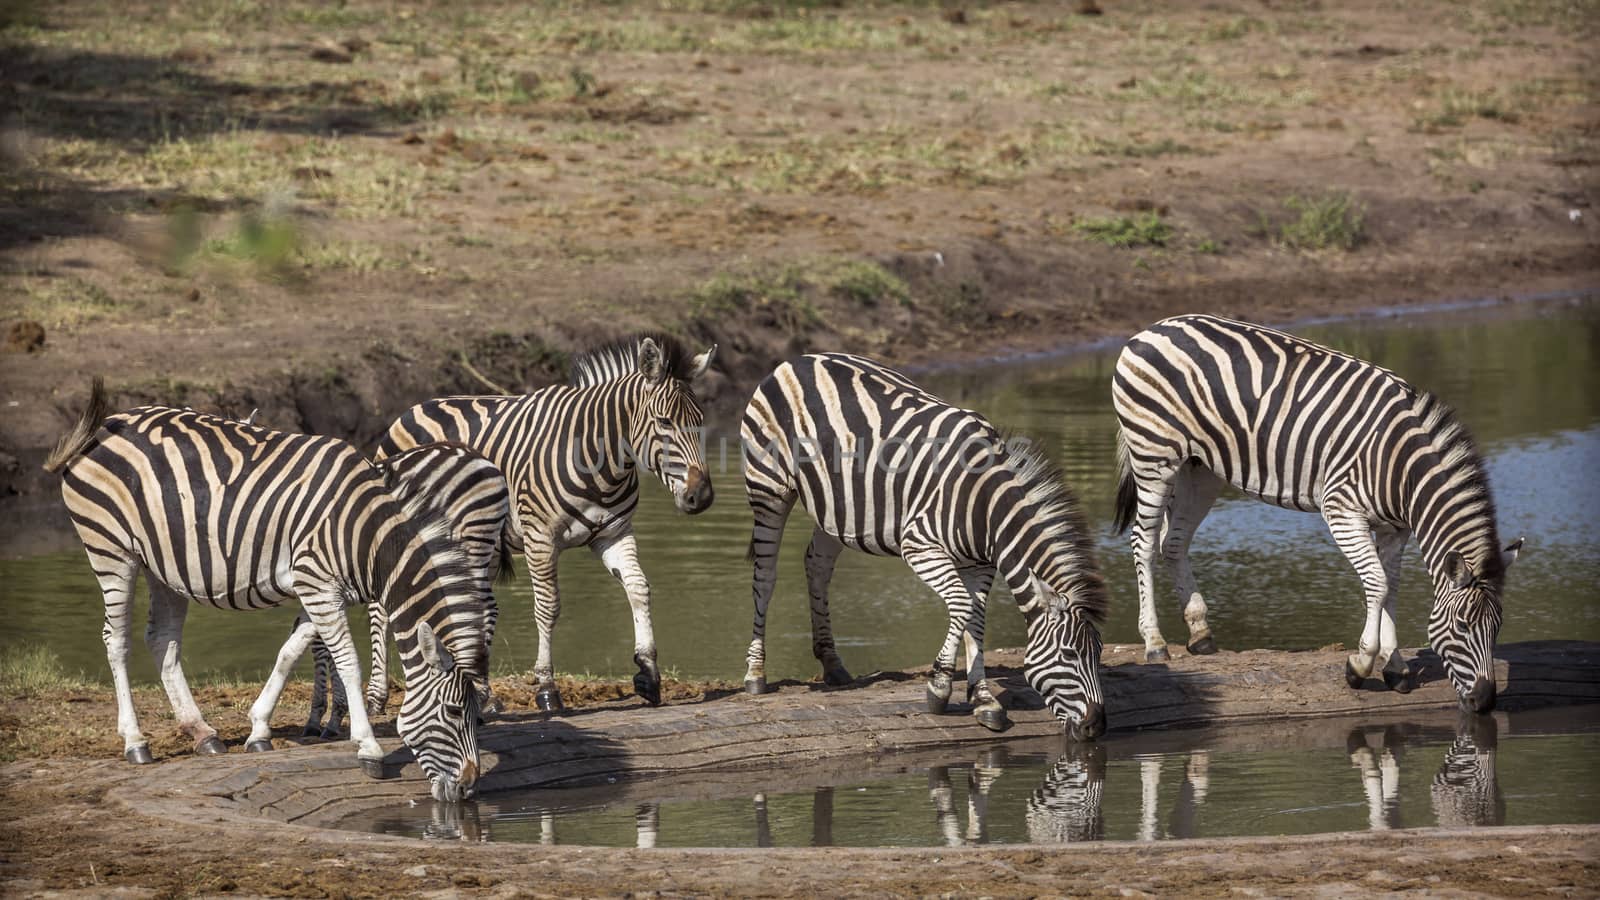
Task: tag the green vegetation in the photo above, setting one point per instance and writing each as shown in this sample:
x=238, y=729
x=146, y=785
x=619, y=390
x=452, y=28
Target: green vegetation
x=1147, y=229
x=788, y=295
x=1329, y=222
x=32, y=670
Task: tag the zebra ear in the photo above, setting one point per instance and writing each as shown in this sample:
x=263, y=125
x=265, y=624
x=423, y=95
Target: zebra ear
x=1510, y=553
x=1456, y=570
x=701, y=363
x=433, y=651
x=652, y=364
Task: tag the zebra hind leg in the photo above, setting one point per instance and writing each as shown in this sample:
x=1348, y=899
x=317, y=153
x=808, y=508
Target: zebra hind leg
x=118, y=574
x=821, y=555
x=1153, y=495
x=1193, y=491
x=165, y=640
x=770, y=509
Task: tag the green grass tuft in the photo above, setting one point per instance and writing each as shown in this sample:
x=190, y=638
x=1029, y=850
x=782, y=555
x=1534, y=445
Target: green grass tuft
x=1330, y=222
x=1140, y=231
x=30, y=671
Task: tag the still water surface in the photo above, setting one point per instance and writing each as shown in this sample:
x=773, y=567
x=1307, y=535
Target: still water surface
x=1525, y=380
x=1531, y=768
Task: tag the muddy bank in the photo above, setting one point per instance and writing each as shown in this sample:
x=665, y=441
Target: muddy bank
x=254, y=823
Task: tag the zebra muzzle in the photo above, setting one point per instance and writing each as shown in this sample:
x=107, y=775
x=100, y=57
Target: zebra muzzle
x=1093, y=723
x=697, y=493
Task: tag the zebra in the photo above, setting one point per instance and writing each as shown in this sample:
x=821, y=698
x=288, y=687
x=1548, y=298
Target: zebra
x=476, y=502
x=570, y=454
x=937, y=486
x=239, y=517
x=1466, y=789
x=1204, y=401
x=1067, y=807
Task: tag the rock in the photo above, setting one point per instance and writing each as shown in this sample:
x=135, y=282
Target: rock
x=416, y=872
x=25, y=336
x=331, y=53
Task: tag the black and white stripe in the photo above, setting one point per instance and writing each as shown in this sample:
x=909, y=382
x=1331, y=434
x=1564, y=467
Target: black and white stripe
x=888, y=469
x=234, y=516
x=1067, y=807
x=1204, y=401
x=1465, y=791
x=571, y=455
x=472, y=496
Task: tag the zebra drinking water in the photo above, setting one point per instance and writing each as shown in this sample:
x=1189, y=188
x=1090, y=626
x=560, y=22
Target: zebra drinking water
x=239, y=517
x=474, y=499
x=571, y=455
x=1204, y=401
x=888, y=469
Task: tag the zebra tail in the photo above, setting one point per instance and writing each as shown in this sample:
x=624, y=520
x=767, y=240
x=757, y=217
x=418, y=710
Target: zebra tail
x=1127, y=488
x=506, y=575
x=77, y=440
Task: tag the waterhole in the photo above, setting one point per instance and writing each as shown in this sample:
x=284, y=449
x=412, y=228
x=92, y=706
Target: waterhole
x=1319, y=776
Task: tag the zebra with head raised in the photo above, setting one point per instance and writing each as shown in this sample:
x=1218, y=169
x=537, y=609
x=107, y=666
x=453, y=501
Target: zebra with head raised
x=889, y=469
x=571, y=455
x=474, y=499
x=219, y=512
x=1204, y=401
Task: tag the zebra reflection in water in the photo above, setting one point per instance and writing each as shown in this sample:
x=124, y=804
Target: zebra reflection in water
x=1465, y=791
x=456, y=822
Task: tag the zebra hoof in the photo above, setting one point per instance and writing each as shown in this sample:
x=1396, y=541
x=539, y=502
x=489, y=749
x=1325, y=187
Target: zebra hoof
x=1159, y=654
x=1351, y=677
x=1203, y=647
x=139, y=756
x=992, y=717
x=488, y=705
x=548, y=699
x=265, y=746
x=837, y=676
x=372, y=768
x=647, y=687
x=938, y=692
x=329, y=734
x=312, y=731
x=1399, y=682
x=755, y=686
x=211, y=746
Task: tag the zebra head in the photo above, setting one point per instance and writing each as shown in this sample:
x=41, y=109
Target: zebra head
x=1062, y=663
x=1465, y=621
x=439, y=718
x=668, y=427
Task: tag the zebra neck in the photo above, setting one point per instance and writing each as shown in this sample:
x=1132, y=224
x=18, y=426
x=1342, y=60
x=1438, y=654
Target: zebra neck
x=608, y=434
x=1449, y=508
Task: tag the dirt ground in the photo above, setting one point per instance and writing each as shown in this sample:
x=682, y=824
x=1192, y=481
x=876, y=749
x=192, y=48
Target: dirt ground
x=330, y=213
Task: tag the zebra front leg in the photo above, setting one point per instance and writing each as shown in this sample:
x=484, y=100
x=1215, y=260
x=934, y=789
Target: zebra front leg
x=1193, y=491
x=117, y=575
x=378, y=682
x=765, y=537
x=1353, y=534
x=821, y=555
x=325, y=605
x=261, y=711
x=985, y=708
x=934, y=566
x=164, y=637
x=620, y=555
x=1396, y=674
x=541, y=561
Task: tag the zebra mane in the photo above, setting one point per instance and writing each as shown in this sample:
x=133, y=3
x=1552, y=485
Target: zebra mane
x=1467, y=482
x=427, y=515
x=1061, y=522
x=620, y=358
